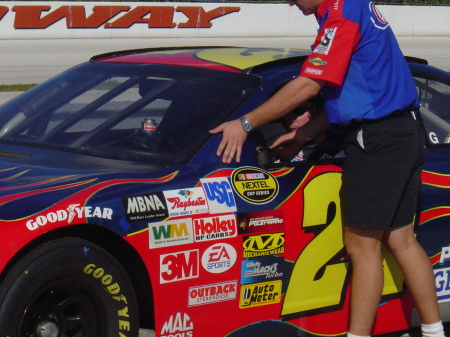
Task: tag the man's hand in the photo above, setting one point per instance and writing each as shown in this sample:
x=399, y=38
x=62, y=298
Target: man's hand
x=233, y=138
x=287, y=146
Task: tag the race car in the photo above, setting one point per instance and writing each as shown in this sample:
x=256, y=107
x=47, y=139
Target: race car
x=117, y=217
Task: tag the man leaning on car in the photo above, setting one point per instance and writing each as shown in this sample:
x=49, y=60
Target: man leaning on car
x=369, y=98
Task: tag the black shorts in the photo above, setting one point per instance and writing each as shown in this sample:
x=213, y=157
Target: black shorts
x=381, y=175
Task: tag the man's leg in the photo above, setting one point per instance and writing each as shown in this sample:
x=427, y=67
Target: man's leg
x=364, y=249
x=417, y=270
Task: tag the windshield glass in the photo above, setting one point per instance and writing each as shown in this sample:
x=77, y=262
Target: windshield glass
x=155, y=113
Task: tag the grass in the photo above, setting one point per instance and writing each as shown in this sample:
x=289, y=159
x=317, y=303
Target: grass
x=16, y=87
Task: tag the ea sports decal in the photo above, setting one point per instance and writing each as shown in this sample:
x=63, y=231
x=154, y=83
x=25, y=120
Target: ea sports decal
x=219, y=258
x=377, y=18
x=254, y=185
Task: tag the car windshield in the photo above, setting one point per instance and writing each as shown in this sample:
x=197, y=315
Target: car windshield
x=143, y=112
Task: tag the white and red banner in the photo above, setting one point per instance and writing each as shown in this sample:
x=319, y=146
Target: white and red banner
x=58, y=19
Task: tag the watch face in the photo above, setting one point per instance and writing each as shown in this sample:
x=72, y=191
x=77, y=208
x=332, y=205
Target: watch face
x=246, y=125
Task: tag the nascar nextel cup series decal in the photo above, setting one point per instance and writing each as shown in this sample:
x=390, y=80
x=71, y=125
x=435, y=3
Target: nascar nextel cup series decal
x=254, y=185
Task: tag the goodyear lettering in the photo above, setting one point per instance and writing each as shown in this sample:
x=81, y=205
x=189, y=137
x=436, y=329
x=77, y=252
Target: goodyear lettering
x=112, y=288
x=69, y=214
x=118, y=17
x=178, y=325
x=253, y=295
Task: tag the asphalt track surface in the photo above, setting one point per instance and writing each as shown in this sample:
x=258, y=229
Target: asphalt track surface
x=33, y=61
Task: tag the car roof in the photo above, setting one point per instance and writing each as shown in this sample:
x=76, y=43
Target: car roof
x=232, y=59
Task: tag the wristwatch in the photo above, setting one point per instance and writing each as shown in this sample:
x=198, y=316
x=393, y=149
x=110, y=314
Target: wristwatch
x=246, y=125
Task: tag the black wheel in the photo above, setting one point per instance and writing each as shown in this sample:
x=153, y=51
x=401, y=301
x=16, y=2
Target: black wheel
x=68, y=288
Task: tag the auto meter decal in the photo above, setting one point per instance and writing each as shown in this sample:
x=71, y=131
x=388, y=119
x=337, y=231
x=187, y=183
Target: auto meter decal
x=254, y=295
x=254, y=185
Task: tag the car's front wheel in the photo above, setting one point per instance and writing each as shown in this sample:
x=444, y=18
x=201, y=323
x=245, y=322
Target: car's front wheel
x=68, y=288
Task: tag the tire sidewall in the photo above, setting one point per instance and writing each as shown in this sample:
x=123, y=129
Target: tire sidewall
x=78, y=262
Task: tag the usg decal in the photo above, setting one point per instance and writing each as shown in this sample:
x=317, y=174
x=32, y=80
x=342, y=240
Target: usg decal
x=219, y=258
x=253, y=295
x=219, y=195
x=254, y=185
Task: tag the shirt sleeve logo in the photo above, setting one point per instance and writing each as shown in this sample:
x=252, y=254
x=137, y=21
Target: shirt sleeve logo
x=377, y=18
x=325, y=41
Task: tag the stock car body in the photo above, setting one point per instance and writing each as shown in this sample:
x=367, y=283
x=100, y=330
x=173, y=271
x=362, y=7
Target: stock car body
x=116, y=215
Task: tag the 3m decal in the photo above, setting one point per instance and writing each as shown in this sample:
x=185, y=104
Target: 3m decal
x=179, y=324
x=185, y=202
x=262, y=269
x=219, y=194
x=179, y=266
x=254, y=185
x=72, y=212
x=326, y=41
x=145, y=207
x=219, y=258
x=212, y=293
x=253, y=295
x=171, y=233
x=263, y=245
x=214, y=228
x=320, y=276
x=263, y=221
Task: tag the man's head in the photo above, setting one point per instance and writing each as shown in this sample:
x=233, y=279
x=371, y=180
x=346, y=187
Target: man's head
x=307, y=7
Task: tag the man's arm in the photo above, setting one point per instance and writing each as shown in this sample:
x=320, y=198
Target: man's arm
x=293, y=94
x=288, y=145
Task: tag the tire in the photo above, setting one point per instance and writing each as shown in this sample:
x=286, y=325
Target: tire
x=68, y=288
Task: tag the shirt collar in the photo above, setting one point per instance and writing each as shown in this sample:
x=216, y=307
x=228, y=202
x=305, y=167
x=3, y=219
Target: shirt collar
x=324, y=7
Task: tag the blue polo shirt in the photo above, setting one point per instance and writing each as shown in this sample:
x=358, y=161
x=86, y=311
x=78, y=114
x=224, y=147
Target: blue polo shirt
x=356, y=53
